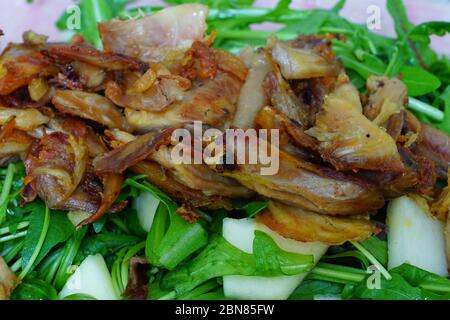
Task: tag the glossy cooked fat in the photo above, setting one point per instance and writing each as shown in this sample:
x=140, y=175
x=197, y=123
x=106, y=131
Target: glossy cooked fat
x=153, y=37
x=350, y=141
x=309, y=186
x=307, y=226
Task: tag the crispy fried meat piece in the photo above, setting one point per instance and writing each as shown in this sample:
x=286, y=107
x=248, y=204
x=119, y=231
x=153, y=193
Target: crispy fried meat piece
x=90, y=106
x=156, y=37
x=21, y=63
x=307, y=185
x=307, y=226
x=350, y=141
x=56, y=166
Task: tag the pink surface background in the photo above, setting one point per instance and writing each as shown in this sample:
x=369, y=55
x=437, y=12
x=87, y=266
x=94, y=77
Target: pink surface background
x=16, y=16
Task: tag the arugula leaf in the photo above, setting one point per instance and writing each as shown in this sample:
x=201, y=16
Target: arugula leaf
x=60, y=229
x=423, y=31
x=70, y=252
x=220, y=258
x=104, y=244
x=418, y=81
x=378, y=248
x=427, y=280
x=309, y=289
x=445, y=124
x=398, y=13
x=33, y=288
x=395, y=289
x=37, y=232
x=250, y=208
x=171, y=239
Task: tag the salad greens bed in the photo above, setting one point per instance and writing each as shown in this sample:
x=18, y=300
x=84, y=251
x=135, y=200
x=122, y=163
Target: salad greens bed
x=188, y=260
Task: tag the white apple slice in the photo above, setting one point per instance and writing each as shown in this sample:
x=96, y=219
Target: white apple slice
x=240, y=233
x=415, y=237
x=91, y=278
x=146, y=205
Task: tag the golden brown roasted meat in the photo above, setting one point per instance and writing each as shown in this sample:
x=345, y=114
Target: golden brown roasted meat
x=309, y=186
x=270, y=118
x=157, y=37
x=55, y=167
x=24, y=119
x=94, y=57
x=198, y=177
x=14, y=144
x=165, y=181
x=298, y=60
x=212, y=101
x=112, y=184
x=90, y=106
x=131, y=153
x=19, y=64
x=434, y=145
x=307, y=226
x=350, y=141
x=386, y=97
x=153, y=91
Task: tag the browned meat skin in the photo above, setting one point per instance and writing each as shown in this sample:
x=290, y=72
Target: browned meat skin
x=309, y=186
x=195, y=177
x=386, y=97
x=92, y=56
x=434, y=145
x=419, y=176
x=25, y=119
x=350, y=141
x=165, y=89
x=212, y=101
x=89, y=106
x=14, y=144
x=112, y=184
x=19, y=64
x=137, y=286
x=157, y=37
x=56, y=166
x=307, y=226
x=165, y=181
x=298, y=59
x=131, y=153
x=201, y=177
x=270, y=118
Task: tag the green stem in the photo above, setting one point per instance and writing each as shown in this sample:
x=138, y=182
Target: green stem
x=6, y=190
x=338, y=273
x=16, y=266
x=39, y=244
x=426, y=109
x=21, y=225
x=13, y=236
x=254, y=35
x=372, y=259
